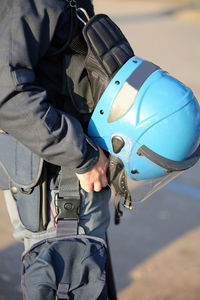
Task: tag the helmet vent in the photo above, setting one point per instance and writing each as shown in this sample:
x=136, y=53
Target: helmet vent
x=129, y=90
x=123, y=102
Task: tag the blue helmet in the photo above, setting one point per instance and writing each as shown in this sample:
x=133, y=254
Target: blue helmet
x=150, y=122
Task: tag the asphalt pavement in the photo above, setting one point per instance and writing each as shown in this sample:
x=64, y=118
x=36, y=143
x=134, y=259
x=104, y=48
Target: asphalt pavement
x=155, y=249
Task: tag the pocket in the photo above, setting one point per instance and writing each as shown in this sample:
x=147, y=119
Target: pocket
x=73, y=267
x=23, y=172
x=19, y=166
x=38, y=276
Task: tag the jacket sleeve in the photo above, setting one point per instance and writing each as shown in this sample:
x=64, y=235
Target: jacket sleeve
x=27, y=28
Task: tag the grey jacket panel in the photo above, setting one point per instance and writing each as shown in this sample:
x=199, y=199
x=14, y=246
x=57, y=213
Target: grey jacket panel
x=30, y=30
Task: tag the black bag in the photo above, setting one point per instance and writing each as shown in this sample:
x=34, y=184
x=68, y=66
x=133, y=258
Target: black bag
x=66, y=268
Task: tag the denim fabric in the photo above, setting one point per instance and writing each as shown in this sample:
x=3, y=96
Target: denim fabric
x=95, y=215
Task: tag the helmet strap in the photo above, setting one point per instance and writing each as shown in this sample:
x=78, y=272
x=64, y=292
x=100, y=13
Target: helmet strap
x=118, y=179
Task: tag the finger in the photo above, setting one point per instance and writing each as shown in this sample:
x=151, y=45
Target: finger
x=87, y=188
x=97, y=186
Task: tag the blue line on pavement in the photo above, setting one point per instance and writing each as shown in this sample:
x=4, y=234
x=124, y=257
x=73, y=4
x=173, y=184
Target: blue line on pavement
x=184, y=189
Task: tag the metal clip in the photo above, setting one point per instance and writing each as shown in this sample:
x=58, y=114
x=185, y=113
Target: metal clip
x=128, y=202
x=84, y=12
x=80, y=10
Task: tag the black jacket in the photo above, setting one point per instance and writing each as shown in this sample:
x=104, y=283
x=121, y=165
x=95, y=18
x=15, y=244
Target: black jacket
x=31, y=83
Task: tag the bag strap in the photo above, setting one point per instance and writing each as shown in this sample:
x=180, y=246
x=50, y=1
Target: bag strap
x=67, y=203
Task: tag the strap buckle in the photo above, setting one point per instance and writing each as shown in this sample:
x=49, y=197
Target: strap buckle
x=66, y=208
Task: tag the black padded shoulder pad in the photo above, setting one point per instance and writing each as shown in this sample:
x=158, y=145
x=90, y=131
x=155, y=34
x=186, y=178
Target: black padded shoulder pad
x=108, y=50
x=107, y=43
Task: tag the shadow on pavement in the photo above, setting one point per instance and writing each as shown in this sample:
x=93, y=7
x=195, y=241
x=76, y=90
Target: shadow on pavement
x=154, y=224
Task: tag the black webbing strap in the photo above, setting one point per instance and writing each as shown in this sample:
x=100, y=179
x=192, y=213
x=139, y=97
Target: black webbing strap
x=69, y=183
x=67, y=203
x=118, y=178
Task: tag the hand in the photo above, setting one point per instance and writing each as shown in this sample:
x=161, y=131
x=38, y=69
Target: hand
x=95, y=179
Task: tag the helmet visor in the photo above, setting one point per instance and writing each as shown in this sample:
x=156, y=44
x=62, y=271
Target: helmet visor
x=169, y=169
x=143, y=189
x=143, y=172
